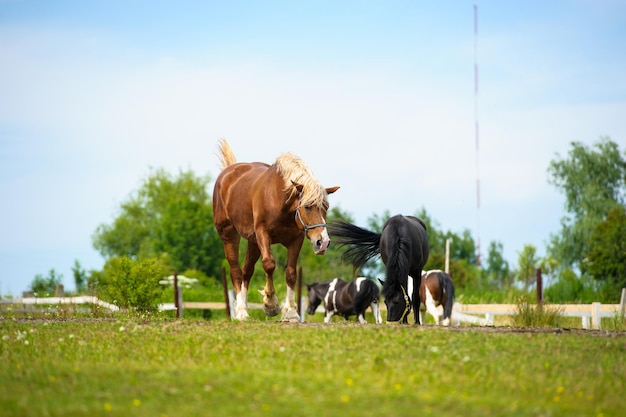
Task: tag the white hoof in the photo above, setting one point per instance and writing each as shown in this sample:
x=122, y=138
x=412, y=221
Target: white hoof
x=291, y=315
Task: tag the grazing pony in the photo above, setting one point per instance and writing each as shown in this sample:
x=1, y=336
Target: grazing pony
x=403, y=246
x=345, y=298
x=437, y=289
x=267, y=204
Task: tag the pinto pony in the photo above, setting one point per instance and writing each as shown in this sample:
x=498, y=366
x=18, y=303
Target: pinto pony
x=437, y=289
x=268, y=204
x=345, y=298
x=403, y=246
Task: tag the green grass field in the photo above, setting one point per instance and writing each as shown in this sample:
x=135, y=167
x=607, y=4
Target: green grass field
x=265, y=368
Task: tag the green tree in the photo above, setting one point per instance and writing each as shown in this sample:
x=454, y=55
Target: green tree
x=606, y=261
x=593, y=181
x=46, y=286
x=497, y=270
x=527, y=266
x=80, y=277
x=169, y=216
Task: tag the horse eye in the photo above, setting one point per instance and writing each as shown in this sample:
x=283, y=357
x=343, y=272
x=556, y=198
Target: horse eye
x=308, y=208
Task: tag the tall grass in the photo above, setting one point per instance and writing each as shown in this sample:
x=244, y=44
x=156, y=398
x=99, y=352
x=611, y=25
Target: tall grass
x=534, y=315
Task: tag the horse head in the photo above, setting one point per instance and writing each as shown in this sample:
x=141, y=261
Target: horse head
x=398, y=302
x=311, y=217
x=316, y=293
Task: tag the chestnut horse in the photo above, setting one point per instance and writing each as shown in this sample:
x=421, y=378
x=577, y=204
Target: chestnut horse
x=267, y=204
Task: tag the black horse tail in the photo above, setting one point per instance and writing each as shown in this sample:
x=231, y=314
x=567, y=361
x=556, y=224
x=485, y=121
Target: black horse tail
x=446, y=284
x=367, y=294
x=363, y=244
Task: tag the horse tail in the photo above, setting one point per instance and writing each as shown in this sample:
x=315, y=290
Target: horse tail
x=367, y=294
x=226, y=155
x=445, y=282
x=363, y=244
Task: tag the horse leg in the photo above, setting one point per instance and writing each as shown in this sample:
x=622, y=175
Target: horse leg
x=376, y=311
x=252, y=255
x=328, y=316
x=290, y=312
x=270, y=301
x=431, y=306
x=231, y=249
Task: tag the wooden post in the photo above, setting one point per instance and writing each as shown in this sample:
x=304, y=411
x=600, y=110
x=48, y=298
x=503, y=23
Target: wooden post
x=622, y=302
x=539, y=289
x=225, y=286
x=177, y=302
x=447, y=267
x=299, y=291
x=59, y=291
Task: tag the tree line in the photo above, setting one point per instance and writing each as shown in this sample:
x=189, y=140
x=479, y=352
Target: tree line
x=166, y=226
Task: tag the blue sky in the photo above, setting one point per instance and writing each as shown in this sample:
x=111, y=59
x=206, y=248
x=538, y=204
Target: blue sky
x=377, y=97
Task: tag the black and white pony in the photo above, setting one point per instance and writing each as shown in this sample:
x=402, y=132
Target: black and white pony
x=403, y=246
x=437, y=289
x=345, y=298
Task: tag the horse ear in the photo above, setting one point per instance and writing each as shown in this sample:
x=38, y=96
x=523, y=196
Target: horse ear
x=299, y=187
x=381, y=281
x=331, y=190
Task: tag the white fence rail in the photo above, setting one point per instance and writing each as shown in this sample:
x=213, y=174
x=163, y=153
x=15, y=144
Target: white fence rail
x=589, y=313
x=41, y=301
x=481, y=314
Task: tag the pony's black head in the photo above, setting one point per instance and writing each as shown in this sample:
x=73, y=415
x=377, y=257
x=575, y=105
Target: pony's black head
x=316, y=294
x=398, y=302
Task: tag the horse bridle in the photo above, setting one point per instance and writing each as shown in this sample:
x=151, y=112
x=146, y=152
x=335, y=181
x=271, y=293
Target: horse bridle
x=407, y=301
x=305, y=227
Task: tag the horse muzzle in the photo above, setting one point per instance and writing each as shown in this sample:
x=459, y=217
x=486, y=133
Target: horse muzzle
x=320, y=245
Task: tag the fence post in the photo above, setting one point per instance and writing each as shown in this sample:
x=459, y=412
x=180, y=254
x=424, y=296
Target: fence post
x=539, y=288
x=299, y=293
x=447, y=265
x=177, y=297
x=622, y=303
x=225, y=287
x=595, y=316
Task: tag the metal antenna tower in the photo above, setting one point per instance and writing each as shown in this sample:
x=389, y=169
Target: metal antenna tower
x=476, y=133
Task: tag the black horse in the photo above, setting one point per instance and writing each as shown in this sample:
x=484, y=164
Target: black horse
x=403, y=246
x=345, y=298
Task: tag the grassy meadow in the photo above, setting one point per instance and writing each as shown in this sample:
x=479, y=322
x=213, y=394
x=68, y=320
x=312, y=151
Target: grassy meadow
x=188, y=367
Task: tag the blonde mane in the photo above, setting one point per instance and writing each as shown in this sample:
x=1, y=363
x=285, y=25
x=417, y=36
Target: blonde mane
x=292, y=168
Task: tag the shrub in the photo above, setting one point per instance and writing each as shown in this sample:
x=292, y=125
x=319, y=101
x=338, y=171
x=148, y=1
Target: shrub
x=533, y=315
x=132, y=284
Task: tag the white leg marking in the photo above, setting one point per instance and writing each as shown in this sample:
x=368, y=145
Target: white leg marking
x=241, y=304
x=361, y=319
x=290, y=312
x=431, y=307
x=328, y=316
x=376, y=310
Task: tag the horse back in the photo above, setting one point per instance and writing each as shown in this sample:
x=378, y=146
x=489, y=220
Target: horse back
x=248, y=195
